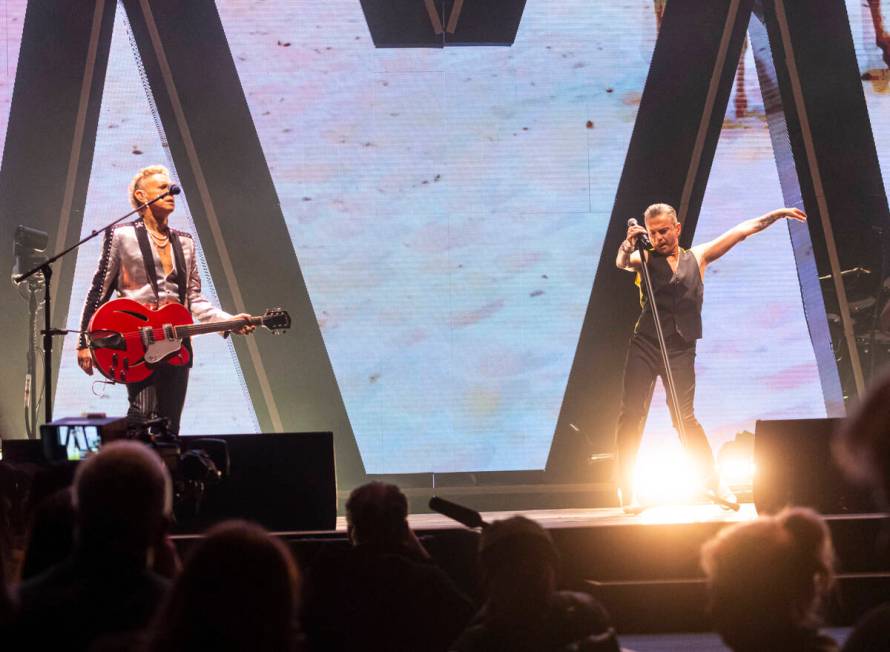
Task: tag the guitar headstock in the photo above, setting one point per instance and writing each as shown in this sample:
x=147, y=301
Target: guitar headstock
x=276, y=320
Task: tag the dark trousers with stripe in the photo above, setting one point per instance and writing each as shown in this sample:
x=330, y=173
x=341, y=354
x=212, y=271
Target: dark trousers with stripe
x=160, y=395
x=641, y=368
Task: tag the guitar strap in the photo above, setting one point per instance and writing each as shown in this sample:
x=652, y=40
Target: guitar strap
x=182, y=272
x=182, y=281
x=147, y=258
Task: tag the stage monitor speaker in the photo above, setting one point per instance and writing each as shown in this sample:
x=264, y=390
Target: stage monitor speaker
x=283, y=481
x=23, y=451
x=795, y=467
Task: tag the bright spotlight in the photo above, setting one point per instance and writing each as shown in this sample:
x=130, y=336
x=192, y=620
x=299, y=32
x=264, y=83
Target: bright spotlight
x=664, y=474
x=735, y=463
x=737, y=472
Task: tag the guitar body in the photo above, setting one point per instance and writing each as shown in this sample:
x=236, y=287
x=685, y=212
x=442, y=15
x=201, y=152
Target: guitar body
x=128, y=340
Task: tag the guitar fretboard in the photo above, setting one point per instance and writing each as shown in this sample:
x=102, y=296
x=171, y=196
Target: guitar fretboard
x=214, y=326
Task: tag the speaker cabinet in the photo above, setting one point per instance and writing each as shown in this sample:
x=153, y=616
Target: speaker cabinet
x=795, y=467
x=283, y=481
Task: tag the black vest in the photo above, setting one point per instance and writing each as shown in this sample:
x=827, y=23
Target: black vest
x=678, y=297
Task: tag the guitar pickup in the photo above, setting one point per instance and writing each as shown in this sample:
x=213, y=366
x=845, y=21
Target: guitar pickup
x=147, y=336
x=112, y=341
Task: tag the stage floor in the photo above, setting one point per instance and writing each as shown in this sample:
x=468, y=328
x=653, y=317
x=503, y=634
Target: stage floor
x=594, y=517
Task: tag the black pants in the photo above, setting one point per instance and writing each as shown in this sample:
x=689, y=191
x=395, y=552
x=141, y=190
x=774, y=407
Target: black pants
x=642, y=367
x=160, y=395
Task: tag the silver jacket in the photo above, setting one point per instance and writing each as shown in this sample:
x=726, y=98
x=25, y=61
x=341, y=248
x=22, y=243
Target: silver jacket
x=122, y=269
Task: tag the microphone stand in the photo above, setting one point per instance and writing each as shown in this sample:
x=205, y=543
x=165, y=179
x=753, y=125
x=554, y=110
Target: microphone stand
x=668, y=377
x=48, y=331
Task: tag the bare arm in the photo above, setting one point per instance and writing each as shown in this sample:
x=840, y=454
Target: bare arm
x=710, y=251
x=628, y=258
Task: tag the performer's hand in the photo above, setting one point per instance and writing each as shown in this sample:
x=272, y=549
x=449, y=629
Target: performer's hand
x=790, y=213
x=85, y=360
x=247, y=329
x=633, y=232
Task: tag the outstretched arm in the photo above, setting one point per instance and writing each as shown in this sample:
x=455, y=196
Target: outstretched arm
x=711, y=251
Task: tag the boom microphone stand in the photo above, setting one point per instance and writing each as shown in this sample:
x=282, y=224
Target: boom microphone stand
x=48, y=331
x=668, y=377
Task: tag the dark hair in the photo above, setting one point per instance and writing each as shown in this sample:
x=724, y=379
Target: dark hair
x=237, y=591
x=51, y=536
x=377, y=512
x=773, y=571
x=512, y=541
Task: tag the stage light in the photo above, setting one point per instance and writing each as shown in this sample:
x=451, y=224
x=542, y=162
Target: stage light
x=735, y=464
x=28, y=247
x=664, y=474
x=737, y=471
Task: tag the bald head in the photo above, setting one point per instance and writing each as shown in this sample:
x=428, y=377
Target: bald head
x=122, y=496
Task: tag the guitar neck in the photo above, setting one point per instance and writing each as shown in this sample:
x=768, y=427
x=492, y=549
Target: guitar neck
x=215, y=326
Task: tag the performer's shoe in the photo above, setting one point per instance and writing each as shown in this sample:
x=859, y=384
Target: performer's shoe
x=628, y=503
x=721, y=495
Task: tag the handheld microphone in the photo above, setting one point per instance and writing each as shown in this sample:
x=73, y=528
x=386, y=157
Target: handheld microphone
x=643, y=238
x=463, y=515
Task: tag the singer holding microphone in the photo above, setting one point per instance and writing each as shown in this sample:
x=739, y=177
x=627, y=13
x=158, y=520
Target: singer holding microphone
x=148, y=261
x=677, y=282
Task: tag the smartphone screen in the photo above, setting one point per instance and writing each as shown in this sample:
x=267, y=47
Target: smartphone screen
x=79, y=441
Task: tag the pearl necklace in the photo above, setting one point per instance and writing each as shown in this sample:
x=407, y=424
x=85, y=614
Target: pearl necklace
x=160, y=241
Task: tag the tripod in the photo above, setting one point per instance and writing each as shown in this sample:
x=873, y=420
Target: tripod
x=668, y=377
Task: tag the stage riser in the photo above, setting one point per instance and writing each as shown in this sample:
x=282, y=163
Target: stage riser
x=671, y=552
x=648, y=575
x=650, y=608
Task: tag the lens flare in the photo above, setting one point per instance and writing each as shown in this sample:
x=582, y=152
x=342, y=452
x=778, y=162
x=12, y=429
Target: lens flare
x=664, y=475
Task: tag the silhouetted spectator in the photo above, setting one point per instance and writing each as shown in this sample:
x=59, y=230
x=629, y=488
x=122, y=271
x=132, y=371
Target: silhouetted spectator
x=6, y=546
x=862, y=447
x=51, y=537
x=7, y=605
x=237, y=591
x=524, y=611
x=384, y=593
x=104, y=591
x=767, y=579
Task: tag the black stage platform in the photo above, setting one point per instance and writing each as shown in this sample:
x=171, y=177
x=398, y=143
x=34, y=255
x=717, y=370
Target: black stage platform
x=644, y=568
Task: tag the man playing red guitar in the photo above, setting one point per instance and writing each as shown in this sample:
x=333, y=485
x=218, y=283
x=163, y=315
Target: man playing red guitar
x=151, y=263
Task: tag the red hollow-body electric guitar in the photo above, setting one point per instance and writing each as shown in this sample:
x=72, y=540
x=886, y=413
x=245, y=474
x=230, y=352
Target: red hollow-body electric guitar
x=128, y=340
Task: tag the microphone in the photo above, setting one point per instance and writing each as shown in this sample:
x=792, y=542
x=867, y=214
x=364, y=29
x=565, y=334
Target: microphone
x=463, y=515
x=643, y=238
x=174, y=189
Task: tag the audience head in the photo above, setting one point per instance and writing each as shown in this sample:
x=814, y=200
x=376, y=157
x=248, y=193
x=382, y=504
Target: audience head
x=519, y=565
x=767, y=577
x=377, y=513
x=237, y=591
x=51, y=537
x=123, y=499
x=862, y=446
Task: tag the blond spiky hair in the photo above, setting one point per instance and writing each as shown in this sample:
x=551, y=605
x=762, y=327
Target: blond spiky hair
x=144, y=173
